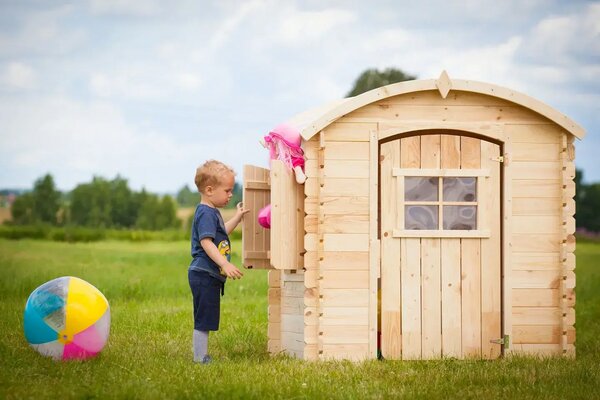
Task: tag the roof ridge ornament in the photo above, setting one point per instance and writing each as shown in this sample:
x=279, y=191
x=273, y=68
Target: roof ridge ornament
x=444, y=84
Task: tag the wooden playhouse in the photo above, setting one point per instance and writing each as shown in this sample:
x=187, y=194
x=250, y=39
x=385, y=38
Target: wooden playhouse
x=436, y=221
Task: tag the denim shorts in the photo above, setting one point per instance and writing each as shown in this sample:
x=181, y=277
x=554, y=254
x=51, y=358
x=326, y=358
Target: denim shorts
x=206, y=292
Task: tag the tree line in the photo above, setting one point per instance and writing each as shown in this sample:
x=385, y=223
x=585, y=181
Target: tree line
x=587, y=204
x=100, y=203
x=104, y=203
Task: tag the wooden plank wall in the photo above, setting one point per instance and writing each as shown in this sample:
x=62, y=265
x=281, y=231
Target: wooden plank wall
x=542, y=240
x=274, y=312
x=287, y=219
x=542, y=259
x=287, y=256
x=292, y=313
x=456, y=107
x=337, y=242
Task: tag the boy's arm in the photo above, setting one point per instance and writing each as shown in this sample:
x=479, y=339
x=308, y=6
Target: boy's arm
x=230, y=270
x=235, y=220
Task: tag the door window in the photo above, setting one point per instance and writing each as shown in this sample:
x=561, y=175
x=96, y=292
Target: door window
x=440, y=203
x=431, y=200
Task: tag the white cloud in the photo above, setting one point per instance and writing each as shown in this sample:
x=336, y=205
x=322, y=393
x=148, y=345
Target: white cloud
x=489, y=63
x=300, y=27
x=18, y=75
x=100, y=85
x=391, y=38
x=75, y=141
x=139, y=8
x=140, y=82
x=565, y=40
x=79, y=140
x=188, y=81
x=42, y=32
x=231, y=23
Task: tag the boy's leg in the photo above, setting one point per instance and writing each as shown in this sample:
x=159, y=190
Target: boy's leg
x=206, y=298
x=200, y=345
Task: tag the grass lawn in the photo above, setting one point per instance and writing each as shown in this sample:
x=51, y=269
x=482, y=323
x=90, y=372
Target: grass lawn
x=149, y=350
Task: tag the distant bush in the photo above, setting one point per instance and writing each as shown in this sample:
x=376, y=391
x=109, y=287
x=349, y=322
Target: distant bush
x=585, y=236
x=82, y=234
x=24, y=232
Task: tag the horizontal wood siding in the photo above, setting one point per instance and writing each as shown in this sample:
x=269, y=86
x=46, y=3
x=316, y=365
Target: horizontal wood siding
x=292, y=313
x=274, y=312
x=337, y=240
x=537, y=241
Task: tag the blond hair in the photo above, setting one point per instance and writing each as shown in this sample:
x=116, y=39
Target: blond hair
x=210, y=174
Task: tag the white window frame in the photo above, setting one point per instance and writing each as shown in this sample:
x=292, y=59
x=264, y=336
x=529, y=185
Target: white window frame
x=401, y=173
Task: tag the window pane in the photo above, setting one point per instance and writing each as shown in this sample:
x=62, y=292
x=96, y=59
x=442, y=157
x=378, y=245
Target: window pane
x=421, y=217
x=460, y=189
x=460, y=218
x=421, y=189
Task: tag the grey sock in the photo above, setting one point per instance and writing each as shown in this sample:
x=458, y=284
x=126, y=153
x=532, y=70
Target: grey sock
x=200, y=345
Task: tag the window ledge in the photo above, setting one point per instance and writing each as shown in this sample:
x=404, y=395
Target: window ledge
x=409, y=233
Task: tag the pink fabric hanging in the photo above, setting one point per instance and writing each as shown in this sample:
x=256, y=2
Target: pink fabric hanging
x=284, y=145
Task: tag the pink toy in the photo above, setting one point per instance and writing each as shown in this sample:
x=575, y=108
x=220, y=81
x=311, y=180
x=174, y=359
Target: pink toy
x=264, y=217
x=283, y=143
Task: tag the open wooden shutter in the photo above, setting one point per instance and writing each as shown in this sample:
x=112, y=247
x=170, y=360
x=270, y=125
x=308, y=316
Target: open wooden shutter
x=287, y=219
x=256, y=240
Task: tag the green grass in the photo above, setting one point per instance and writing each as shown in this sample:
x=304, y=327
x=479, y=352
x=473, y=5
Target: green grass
x=149, y=350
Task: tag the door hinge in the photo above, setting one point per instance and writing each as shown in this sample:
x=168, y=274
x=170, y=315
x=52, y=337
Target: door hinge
x=498, y=158
x=504, y=341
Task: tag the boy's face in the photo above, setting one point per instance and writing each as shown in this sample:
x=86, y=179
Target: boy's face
x=220, y=194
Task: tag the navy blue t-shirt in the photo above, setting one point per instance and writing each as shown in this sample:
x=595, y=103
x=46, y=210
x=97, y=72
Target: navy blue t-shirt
x=208, y=223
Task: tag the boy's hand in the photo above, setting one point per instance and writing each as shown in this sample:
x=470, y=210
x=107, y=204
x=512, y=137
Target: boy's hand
x=241, y=211
x=231, y=271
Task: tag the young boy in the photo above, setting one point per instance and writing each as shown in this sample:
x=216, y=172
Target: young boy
x=211, y=251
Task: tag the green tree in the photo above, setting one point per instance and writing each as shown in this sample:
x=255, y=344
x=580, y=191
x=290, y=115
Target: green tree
x=46, y=200
x=186, y=197
x=22, y=210
x=40, y=205
x=373, y=78
x=123, y=206
x=156, y=213
x=91, y=204
x=167, y=214
x=587, y=198
x=147, y=212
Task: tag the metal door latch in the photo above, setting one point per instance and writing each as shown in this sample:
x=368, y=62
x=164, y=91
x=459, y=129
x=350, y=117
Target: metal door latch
x=504, y=340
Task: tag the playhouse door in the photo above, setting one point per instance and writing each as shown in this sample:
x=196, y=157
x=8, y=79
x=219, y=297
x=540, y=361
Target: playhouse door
x=440, y=247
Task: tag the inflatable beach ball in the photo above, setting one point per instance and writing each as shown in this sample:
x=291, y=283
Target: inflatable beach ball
x=67, y=318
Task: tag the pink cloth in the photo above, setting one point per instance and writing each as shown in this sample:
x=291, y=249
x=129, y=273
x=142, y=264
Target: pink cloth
x=264, y=216
x=284, y=145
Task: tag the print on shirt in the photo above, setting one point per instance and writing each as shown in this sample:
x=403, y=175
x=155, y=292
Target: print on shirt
x=225, y=251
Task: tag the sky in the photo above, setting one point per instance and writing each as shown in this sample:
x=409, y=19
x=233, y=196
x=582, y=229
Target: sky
x=150, y=89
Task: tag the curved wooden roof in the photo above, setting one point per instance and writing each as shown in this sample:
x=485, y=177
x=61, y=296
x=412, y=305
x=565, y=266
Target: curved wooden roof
x=312, y=121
